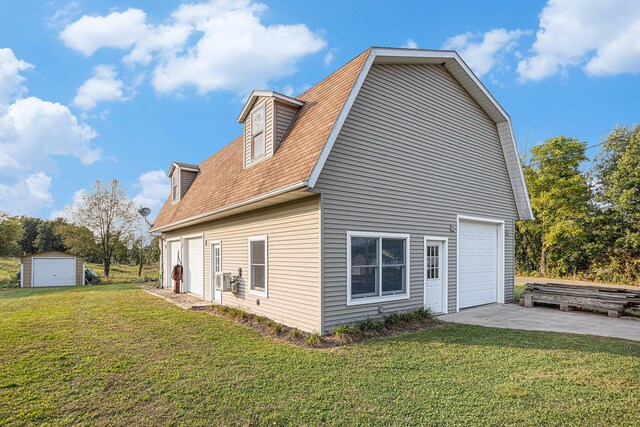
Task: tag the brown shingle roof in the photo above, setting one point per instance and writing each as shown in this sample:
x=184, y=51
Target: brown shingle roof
x=222, y=180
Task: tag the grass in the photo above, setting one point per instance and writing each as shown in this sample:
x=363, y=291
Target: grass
x=114, y=355
x=120, y=273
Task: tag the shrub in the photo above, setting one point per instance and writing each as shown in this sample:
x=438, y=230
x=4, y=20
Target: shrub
x=314, y=339
x=344, y=333
x=294, y=333
x=276, y=328
x=370, y=325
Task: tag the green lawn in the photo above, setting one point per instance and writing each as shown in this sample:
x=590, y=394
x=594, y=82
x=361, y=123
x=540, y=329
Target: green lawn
x=120, y=273
x=114, y=355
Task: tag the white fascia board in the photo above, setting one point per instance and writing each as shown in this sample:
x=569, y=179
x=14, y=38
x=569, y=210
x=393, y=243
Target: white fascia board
x=454, y=59
x=268, y=94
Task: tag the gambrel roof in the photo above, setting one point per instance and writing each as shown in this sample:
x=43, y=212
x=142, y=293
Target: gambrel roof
x=224, y=184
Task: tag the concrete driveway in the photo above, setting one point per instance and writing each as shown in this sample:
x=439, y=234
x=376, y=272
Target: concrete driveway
x=513, y=316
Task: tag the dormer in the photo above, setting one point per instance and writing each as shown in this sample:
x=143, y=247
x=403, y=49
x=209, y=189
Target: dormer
x=182, y=176
x=266, y=116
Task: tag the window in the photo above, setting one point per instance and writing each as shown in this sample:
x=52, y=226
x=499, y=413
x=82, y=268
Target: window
x=378, y=267
x=174, y=192
x=258, y=146
x=433, y=262
x=258, y=265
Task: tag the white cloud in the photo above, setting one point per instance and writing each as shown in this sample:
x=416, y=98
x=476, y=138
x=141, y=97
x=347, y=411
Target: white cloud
x=154, y=189
x=10, y=79
x=26, y=195
x=328, y=58
x=210, y=46
x=64, y=15
x=33, y=132
x=600, y=36
x=78, y=196
x=410, y=44
x=482, y=52
x=116, y=30
x=103, y=86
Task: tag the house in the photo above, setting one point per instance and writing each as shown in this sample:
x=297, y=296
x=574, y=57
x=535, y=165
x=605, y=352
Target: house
x=51, y=268
x=392, y=184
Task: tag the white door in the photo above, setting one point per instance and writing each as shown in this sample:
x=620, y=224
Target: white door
x=53, y=271
x=478, y=263
x=216, y=270
x=434, y=257
x=173, y=254
x=194, y=266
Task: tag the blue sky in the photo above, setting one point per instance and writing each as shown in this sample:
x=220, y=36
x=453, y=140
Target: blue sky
x=99, y=90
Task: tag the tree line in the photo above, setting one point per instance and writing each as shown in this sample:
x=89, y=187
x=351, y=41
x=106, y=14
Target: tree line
x=587, y=213
x=105, y=228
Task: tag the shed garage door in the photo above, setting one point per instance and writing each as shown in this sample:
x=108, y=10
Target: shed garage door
x=54, y=271
x=195, y=264
x=478, y=263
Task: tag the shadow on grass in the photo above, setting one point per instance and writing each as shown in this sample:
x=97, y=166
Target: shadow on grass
x=471, y=335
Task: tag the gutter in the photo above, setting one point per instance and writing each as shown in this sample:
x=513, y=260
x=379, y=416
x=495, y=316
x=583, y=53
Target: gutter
x=184, y=222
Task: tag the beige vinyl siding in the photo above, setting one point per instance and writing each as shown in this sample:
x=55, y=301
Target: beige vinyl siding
x=415, y=151
x=293, y=256
x=27, y=264
x=283, y=116
x=268, y=130
x=186, y=179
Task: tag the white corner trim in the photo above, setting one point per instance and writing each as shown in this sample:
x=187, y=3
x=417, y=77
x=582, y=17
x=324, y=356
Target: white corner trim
x=265, y=293
x=383, y=298
x=445, y=270
x=524, y=181
x=501, y=254
x=22, y=274
x=84, y=277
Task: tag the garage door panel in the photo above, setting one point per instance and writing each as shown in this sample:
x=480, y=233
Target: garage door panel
x=53, y=272
x=478, y=270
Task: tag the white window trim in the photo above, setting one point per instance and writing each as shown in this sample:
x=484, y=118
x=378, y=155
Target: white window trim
x=385, y=298
x=253, y=160
x=445, y=270
x=264, y=293
x=212, y=293
x=501, y=260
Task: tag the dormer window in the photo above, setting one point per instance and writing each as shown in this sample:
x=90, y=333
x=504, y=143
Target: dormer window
x=182, y=176
x=258, y=146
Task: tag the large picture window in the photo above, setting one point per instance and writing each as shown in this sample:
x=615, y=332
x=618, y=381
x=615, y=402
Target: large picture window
x=258, y=265
x=378, y=267
x=258, y=146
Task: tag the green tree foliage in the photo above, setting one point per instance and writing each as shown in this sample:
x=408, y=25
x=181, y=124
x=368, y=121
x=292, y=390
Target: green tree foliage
x=560, y=198
x=616, y=181
x=10, y=232
x=29, y=234
x=78, y=240
x=47, y=239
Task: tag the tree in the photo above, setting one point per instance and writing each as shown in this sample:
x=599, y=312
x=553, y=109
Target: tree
x=10, y=232
x=78, y=240
x=47, y=240
x=560, y=199
x=616, y=178
x=29, y=234
x=109, y=214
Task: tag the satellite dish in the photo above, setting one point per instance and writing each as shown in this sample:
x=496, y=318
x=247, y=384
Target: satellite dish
x=144, y=212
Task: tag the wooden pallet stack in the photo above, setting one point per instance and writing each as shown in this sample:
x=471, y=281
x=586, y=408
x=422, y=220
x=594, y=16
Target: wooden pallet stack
x=616, y=301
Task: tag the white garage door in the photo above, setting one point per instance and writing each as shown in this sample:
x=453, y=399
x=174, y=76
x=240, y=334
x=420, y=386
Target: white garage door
x=478, y=263
x=53, y=271
x=194, y=266
x=172, y=256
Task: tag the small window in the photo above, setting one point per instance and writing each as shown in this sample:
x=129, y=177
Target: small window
x=174, y=192
x=258, y=146
x=433, y=262
x=377, y=266
x=258, y=265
